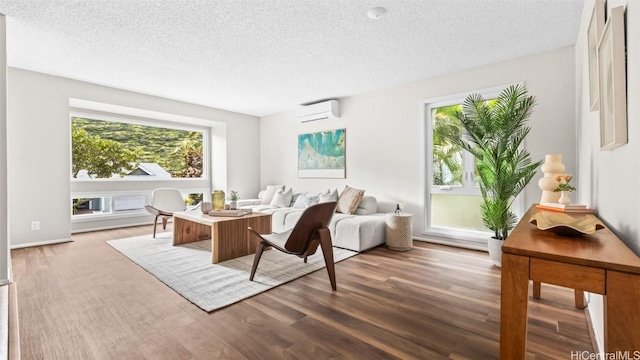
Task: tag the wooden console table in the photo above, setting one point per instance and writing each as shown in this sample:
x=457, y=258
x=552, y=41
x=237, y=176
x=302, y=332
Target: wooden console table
x=599, y=263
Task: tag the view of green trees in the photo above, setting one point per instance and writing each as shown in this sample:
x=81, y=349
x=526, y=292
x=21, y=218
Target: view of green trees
x=105, y=148
x=100, y=157
x=447, y=157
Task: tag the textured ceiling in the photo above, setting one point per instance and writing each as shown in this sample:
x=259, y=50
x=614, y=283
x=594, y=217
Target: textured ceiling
x=260, y=57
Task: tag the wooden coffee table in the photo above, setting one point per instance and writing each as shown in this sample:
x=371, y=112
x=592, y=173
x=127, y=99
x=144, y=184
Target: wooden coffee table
x=230, y=237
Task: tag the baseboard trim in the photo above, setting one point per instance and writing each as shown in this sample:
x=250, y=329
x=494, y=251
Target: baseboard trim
x=4, y=321
x=592, y=331
x=40, y=243
x=472, y=245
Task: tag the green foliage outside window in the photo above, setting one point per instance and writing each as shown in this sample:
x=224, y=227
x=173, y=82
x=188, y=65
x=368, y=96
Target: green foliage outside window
x=447, y=156
x=104, y=148
x=193, y=199
x=100, y=157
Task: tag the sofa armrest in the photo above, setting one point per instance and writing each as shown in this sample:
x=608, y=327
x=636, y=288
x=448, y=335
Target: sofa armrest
x=368, y=206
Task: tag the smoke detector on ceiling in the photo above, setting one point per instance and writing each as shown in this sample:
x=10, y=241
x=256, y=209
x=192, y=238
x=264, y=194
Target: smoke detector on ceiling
x=377, y=12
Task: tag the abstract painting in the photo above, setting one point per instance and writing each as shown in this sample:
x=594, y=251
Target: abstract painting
x=322, y=154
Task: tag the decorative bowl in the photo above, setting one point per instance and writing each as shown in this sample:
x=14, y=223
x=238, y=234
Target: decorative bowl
x=565, y=224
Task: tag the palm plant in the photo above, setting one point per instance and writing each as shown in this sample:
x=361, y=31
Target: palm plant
x=493, y=134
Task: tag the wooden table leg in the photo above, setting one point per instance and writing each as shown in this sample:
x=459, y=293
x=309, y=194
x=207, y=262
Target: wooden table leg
x=622, y=313
x=231, y=238
x=514, y=296
x=579, y=295
x=186, y=231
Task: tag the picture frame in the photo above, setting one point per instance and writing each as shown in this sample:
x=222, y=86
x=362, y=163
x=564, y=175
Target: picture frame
x=612, y=82
x=322, y=154
x=594, y=31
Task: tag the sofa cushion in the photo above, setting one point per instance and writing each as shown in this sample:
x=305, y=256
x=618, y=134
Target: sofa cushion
x=360, y=233
x=260, y=208
x=349, y=200
x=269, y=194
x=291, y=218
x=282, y=198
x=248, y=203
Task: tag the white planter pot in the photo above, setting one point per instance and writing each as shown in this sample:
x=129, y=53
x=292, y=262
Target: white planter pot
x=495, y=251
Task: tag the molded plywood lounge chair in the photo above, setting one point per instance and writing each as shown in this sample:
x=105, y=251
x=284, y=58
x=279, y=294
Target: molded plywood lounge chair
x=303, y=240
x=164, y=202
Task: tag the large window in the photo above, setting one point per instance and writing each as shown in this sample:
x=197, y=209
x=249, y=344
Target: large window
x=110, y=149
x=453, y=194
x=118, y=160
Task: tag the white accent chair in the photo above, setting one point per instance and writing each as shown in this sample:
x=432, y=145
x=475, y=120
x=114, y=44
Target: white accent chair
x=164, y=202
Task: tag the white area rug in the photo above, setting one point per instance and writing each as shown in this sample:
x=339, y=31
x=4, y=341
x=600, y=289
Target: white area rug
x=188, y=270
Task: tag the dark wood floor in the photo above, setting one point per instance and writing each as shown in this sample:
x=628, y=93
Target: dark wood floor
x=84, y=300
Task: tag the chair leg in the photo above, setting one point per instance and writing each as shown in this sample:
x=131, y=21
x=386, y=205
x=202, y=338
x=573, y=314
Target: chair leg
x=305, y=259
x=164, y=222
x=327, y=252
x=256, y=259
x=155, y=223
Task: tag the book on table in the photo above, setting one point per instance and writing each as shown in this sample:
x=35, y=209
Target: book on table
x=573, y=208
x=229, y=213
x=564, y=206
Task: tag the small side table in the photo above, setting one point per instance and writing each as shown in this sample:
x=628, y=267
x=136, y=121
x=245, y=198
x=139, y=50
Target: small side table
x=399, y=231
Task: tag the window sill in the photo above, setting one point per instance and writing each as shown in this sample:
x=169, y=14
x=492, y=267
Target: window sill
x=108, y=216
x=91, y=180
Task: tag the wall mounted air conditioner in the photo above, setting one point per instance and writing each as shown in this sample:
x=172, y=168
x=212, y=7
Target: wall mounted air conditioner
x=320, y=111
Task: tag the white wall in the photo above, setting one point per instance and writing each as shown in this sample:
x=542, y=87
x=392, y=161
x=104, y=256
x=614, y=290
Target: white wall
x=39, y=148
x=4, y=217
x=385, y=130
x=610, y=176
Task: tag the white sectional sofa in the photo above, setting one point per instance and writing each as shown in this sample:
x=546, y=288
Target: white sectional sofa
x=360, y=231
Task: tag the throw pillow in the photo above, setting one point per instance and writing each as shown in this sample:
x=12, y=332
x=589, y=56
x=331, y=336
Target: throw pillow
x=271, y=191
x=331, y=196
x=349, y=200
x=282, y=198
x=299, y=203
x=304, y=201
x=319, y=194
x=310, y=200
x=294, y=198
